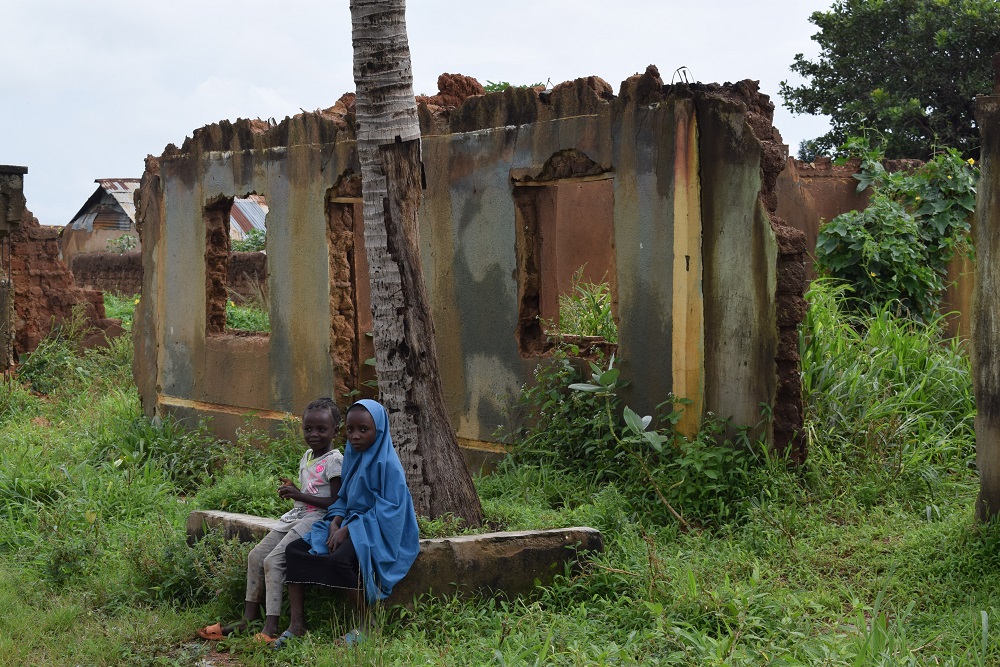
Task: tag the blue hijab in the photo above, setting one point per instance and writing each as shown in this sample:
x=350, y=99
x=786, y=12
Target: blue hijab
x=377, y=509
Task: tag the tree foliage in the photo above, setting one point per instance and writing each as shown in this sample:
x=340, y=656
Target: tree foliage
x=908, y=68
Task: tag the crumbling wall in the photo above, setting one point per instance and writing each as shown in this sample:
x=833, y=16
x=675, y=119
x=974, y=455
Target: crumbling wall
x=119, y=274
x=216, y=219
x=708, y=278
x=246, y=276
x=45, y=292
x=346, y=242
x=790, y=278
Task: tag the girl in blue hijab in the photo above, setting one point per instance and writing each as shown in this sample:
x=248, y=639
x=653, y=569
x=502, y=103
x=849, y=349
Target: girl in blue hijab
x=368, y=539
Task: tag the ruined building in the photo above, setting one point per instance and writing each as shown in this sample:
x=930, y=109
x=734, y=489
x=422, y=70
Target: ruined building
x=43, y=290
x=667, y=191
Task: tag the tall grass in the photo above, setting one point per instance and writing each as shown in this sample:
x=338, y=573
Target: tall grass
x=885, y=393
x=865, y=556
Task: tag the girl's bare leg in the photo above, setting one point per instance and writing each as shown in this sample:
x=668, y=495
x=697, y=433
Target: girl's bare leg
x=357, y=598
x=270, y=626
x=251, y=612
x=297, y=609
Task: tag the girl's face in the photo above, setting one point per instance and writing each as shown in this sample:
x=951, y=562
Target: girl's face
x=361, y=431
x=318, y=430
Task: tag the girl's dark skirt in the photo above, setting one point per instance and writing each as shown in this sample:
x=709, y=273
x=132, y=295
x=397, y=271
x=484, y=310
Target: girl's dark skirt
x=339, y=569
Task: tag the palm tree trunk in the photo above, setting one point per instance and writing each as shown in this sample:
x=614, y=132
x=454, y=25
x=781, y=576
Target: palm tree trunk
x=405, y=353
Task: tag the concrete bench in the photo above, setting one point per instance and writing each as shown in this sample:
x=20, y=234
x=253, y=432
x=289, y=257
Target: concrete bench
x=505, y=562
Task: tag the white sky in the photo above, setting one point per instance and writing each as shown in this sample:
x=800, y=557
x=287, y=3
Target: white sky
x=87, y=90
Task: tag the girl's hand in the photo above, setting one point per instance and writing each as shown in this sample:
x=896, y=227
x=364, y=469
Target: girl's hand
x=337, y=537
x=287, y=489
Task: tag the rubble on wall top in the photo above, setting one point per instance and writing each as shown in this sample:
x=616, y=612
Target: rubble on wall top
x=462, y=105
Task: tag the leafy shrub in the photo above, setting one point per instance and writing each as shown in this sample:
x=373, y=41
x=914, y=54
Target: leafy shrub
x=187, y=456
x=253, y=241
x=239, y=489
x=565, y=429
x=586, y=310
x=500, y=86
x=54, y=364
x=122, y=244
x=164, y=567
x=897, y=250
x=57, y=363
x=575, y=429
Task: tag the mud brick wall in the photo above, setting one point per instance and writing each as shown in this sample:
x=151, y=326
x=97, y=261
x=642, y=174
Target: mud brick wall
x=790, y=304
x=119, y=274
x=247, y=276
x=44, y=289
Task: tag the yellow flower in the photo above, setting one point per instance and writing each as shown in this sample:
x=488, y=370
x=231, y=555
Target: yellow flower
x=872, y=274
x=232, y=304
x=137, y=302
x=949, y=178
x=918, y=197
x=971, y=161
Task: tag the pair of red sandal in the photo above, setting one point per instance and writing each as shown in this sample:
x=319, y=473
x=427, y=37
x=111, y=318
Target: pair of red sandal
x=214, y=633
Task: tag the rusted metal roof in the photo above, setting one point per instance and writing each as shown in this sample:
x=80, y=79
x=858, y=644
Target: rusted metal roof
x=112, y=206
x=247, y=213
x=112, y=203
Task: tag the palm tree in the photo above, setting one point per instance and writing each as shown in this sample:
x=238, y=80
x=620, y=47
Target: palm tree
x=405, y=353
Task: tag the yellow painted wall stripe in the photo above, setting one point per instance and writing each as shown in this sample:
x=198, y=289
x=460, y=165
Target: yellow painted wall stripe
x=688, y=345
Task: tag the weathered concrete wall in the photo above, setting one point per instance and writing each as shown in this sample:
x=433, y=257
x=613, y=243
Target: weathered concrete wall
x=503, y=563
x=687, y=172
x=73, y=242
x=811, y=193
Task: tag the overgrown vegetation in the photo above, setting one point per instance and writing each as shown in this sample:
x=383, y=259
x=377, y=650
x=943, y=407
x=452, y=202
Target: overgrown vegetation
x=254, y=240
x=896, y=251
x=867, y=555
x=500, y=86
x=249, y=312
x=247, y=316
x=586, y=309
x=122, y=244
x=121, y=308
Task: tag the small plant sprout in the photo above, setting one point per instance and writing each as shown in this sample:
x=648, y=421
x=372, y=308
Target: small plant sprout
x=605, y=385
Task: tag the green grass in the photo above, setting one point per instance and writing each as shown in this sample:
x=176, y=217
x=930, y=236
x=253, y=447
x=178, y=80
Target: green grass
x=247, y=317
x=121, y=307
x=866, y=555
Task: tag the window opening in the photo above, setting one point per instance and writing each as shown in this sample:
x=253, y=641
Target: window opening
x=237, y=300
x=352, y=346
x=566, y=257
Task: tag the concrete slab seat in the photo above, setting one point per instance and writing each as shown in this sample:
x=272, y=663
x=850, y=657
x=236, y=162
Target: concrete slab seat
x=505, y=562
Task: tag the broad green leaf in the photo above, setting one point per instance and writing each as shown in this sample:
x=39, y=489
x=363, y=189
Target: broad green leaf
x=654, y=439
x=609, y=377
x=633, y=420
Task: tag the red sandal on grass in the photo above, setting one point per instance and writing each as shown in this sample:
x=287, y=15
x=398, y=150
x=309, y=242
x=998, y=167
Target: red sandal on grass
x=261, y=638
x=212, y=632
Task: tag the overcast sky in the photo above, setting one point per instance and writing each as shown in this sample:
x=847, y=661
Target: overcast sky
x=88, y=90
